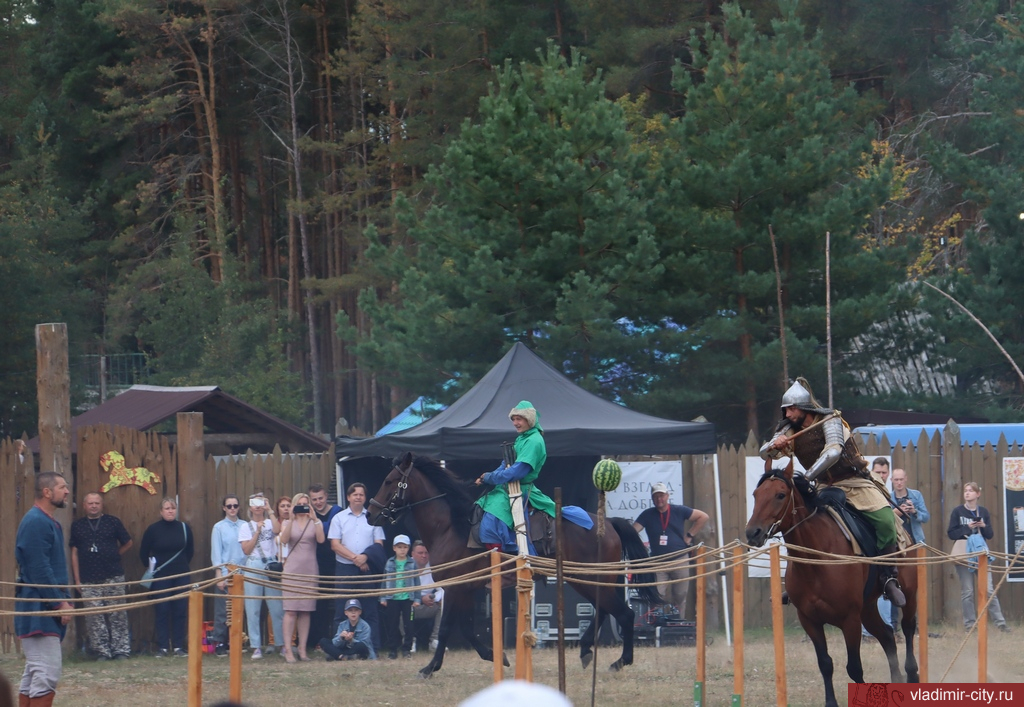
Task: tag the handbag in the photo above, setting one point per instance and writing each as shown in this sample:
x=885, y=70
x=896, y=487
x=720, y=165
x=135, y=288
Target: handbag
x=976, y=544
x=271, y=566
x=148, y=575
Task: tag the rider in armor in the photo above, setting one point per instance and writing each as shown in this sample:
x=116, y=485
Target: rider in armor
x=830, y=455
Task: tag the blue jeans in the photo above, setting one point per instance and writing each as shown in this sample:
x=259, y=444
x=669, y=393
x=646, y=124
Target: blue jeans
x=253, y=606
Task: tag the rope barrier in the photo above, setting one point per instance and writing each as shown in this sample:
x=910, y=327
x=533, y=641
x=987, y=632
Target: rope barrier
x=717, y=561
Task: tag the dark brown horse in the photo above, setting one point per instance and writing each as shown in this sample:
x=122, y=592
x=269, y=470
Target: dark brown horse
x=843, y=595
x=441, y=506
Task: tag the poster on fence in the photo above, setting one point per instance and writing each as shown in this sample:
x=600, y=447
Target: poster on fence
x=1013, y=512
x=634, y=493
x=760, y=566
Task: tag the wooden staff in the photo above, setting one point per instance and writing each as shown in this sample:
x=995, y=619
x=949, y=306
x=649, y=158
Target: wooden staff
x=981, y=615
x=922, y=613
x=778, y=628
x=737, y=625
x=698, y=685
x=559, y=589
x=236, y=589
x=195, y=648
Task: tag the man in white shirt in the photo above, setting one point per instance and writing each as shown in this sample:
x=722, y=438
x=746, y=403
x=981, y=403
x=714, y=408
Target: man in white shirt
x=350, y=535
x=224, y=550
x=426, y=618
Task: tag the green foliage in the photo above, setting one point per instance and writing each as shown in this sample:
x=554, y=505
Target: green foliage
x=541, y=235
x=41, y=235
x=984, y=153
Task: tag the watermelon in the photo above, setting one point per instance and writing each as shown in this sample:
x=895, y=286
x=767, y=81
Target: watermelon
x=607, y=475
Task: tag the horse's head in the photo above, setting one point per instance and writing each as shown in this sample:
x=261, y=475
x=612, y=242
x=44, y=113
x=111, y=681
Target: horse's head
x=392, y=497
x=774, y=504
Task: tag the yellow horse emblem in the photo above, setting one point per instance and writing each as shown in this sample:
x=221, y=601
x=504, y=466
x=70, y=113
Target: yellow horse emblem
x=120, y=475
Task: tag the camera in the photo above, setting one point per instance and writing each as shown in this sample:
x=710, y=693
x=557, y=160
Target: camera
x=257, y=502
x=301, y=508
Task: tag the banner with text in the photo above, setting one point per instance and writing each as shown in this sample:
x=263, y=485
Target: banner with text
x=634, y=493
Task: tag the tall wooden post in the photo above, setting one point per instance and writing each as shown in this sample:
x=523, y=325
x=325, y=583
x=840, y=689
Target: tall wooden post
x=524, y=590
x=236, y=588
x=701, y=613
x=192, y=472
x=952, y=493
x=560, y=589
x=496, y=617
x=778, y=628
x=738, y=570
x=981, y=612
x=53, y=389
x=922, y=614
x=195, y=648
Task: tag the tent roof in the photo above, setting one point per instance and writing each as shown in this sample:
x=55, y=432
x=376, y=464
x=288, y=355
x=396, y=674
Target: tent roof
x=574, y=420
x=142, y=407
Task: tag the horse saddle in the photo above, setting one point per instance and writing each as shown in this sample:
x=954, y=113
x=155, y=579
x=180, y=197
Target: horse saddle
x=541, y=528
x=857, y=529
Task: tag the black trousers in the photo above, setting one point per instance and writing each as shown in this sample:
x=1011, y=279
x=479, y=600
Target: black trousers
x=398, y=616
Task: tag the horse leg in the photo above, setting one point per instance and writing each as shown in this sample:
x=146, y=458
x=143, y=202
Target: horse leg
x=447, y=621
x=587, y=640
x=883, y=632
x=484, y=651
x=624, y=616
x=851, y=634
x=909, y=624
x=816, y=632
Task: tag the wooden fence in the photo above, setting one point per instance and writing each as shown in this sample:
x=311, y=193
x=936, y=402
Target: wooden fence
x=198, y=482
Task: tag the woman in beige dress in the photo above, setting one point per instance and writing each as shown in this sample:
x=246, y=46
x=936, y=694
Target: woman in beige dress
x=300, y=534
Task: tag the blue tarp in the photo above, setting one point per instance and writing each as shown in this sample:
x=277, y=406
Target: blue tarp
x=969, y=434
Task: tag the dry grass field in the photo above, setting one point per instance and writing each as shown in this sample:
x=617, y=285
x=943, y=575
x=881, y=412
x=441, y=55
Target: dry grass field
x=659, y=677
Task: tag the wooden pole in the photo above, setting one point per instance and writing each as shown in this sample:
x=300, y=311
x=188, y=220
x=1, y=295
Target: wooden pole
x=236, y=590
x=782, y=316
x=828, y=311
x=53, y=391
x=701, y=609
x=738, y=570
x=496, y=639
x=192, y=478
x=922, y=614
x=524, y=579
x=597, y=598
x=195, y=648
x=559, y=589
x=778, y=628
x=981, y=603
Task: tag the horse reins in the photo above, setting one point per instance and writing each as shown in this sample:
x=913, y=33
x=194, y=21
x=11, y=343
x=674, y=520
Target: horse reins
x=774, y=473
x=392, y=511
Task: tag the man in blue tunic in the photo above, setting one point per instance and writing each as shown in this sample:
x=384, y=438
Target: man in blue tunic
x=39, y=551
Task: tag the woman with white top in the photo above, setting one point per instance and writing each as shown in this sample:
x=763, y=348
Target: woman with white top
x=258, y=537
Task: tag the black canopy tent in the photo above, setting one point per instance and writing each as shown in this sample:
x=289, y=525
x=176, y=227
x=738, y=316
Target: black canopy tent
x=576, y=422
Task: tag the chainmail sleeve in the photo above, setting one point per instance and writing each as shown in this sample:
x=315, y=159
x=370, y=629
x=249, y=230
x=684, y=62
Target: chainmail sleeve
x=835, y=437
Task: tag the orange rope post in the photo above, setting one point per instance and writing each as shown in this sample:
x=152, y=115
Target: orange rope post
x=981, y=603
x=195, y=648
x=922, y=613
x=701, y=606
x=496, y=616
x=778, y=628
x=737, y=625
x=236, y=588
x=524, y=654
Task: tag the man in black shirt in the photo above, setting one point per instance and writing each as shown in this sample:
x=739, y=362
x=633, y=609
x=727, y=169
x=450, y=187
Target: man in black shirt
x=97, y=542
x=320, y=626
x=667, y=533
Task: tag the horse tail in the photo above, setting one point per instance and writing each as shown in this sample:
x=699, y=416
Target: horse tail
x=633, y=549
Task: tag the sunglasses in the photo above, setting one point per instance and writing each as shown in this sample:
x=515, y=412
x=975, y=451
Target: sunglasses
x=231, y=505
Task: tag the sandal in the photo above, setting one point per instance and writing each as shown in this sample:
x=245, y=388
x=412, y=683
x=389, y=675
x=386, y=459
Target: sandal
x=289, y=657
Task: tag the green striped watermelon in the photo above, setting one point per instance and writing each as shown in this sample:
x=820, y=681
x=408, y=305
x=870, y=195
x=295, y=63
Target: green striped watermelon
x=607, y=475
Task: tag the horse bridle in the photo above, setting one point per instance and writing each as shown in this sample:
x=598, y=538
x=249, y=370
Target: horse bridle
x=774, y=528
x=393, y=512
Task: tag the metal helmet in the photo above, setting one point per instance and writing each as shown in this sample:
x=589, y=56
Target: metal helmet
x=799, y=397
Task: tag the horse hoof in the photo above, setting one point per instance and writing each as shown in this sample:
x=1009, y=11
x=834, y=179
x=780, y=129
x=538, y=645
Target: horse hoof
x=504, y=660
x=585, y=659
x=426, y=673
x=616, y=666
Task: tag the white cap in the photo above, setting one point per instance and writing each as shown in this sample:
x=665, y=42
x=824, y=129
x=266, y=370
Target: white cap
x=659, y=487
x=401, y=540
x=515, y=693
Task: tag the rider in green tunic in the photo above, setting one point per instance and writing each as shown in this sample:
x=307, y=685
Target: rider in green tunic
x=497, y=527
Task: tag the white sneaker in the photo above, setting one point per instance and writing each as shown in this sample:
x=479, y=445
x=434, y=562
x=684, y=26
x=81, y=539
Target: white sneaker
x=257, y=654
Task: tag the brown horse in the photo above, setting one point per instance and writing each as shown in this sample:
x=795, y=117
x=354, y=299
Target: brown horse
x=843, y=595
x=441, y=506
